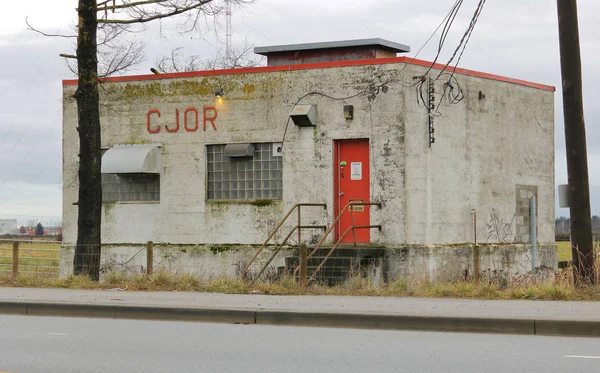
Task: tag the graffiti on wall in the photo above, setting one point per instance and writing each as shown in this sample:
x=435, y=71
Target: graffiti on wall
x=500, y=230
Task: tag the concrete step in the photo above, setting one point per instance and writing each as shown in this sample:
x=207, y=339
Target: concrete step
x=339, y=266
x=331, y=262
x=348, y=251
x=329, y=277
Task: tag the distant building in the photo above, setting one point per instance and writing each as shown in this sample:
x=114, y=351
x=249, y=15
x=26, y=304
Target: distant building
x=8, y=226
x=52, y=230
x=207, y=163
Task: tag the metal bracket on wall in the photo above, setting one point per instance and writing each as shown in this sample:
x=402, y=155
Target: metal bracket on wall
x=430, y=109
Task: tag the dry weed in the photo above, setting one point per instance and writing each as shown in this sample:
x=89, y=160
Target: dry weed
x=559, y=286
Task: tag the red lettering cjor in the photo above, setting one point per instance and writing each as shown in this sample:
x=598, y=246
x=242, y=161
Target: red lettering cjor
x=185, y=119
x=176, y=123
x=210, y=119
x=209, y=115
x=150, y=130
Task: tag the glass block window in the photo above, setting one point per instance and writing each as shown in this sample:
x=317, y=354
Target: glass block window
x=130, y=187
x=257, y=177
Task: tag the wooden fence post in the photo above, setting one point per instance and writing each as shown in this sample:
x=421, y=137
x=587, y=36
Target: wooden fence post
x=303, y=263
x=149, y=258
x=15, y=264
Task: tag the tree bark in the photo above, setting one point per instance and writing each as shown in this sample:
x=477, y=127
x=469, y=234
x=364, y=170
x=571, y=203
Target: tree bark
x=577, y=165
x=87, y=250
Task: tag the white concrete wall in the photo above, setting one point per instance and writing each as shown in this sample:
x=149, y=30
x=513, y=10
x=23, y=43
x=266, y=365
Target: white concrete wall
x=436, y=262
x=463, y=262
x=483, y=148
x=208, y=262
x=255, y=110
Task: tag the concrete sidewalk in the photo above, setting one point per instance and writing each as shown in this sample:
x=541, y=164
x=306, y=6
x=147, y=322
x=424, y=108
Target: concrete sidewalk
x=514, y=317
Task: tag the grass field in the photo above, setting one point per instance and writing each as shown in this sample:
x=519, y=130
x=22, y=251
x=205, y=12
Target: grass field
x=39, y=254
x=564, y=250
x=36, y=257
x=559, y=287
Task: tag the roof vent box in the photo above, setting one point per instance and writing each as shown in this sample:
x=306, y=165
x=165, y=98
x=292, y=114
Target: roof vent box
x=304, y=115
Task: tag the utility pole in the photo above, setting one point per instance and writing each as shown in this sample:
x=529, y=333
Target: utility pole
x=577, y=165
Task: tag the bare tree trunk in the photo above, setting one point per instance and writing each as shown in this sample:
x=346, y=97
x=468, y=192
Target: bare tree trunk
x=87, y=251
x=577, y=165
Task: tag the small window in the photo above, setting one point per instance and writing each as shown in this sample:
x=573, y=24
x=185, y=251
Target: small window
x=130, y=187
x=524, y=194
x=258, y=176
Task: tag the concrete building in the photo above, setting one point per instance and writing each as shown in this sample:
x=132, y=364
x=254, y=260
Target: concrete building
x=8, y=226
x=206, y=164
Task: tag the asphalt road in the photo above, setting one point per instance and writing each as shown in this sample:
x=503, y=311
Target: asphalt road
x=31, y=344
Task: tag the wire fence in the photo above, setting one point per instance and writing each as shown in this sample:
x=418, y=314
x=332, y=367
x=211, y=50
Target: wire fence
x=43, y=257
x=130, y=259
x=30, y=256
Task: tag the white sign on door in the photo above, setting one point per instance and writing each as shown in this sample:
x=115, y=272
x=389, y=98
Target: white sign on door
x=356, y=171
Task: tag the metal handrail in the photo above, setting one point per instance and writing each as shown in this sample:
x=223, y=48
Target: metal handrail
x=353, y=228
x=335, y=221
x=262, y=247
x=280, y=246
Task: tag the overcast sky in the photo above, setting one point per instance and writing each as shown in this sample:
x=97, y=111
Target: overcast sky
x=515, y=38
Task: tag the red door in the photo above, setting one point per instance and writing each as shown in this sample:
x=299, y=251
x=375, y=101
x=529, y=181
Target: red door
x=351, y=178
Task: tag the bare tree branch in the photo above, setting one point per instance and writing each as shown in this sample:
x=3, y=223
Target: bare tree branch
x=112, y=50
x=120, y=58
x=113, y=7
x=177, y=63
x=144, y=16
x=97, y=37
x=31, y=28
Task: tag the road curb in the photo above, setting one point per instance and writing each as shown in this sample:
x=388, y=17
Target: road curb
x=396, y=322
x=523, y=326
x=233, y=316
x=13, y=308
x=567, y=328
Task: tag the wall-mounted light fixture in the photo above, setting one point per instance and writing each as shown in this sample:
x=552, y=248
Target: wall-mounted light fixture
x=219, y=92
x=481, y=95
x=349, y=111
x=238, y=150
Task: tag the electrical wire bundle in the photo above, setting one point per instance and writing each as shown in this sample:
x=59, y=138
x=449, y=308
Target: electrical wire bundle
x=452, y=89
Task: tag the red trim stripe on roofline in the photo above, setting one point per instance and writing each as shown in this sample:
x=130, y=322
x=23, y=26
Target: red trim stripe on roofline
x=322, y=65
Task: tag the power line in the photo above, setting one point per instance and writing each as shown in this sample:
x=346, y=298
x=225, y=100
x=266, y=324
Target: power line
x=26, y=154
x=255, y=30
x=20, y=191
x=448, y=21
x=433, y=35
x=25, y=98
x=452, y=87
x=465, y=39
x=373, y=90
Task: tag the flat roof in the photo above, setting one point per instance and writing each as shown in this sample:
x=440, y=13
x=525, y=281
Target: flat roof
x=374, y=42
x=320, y=65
